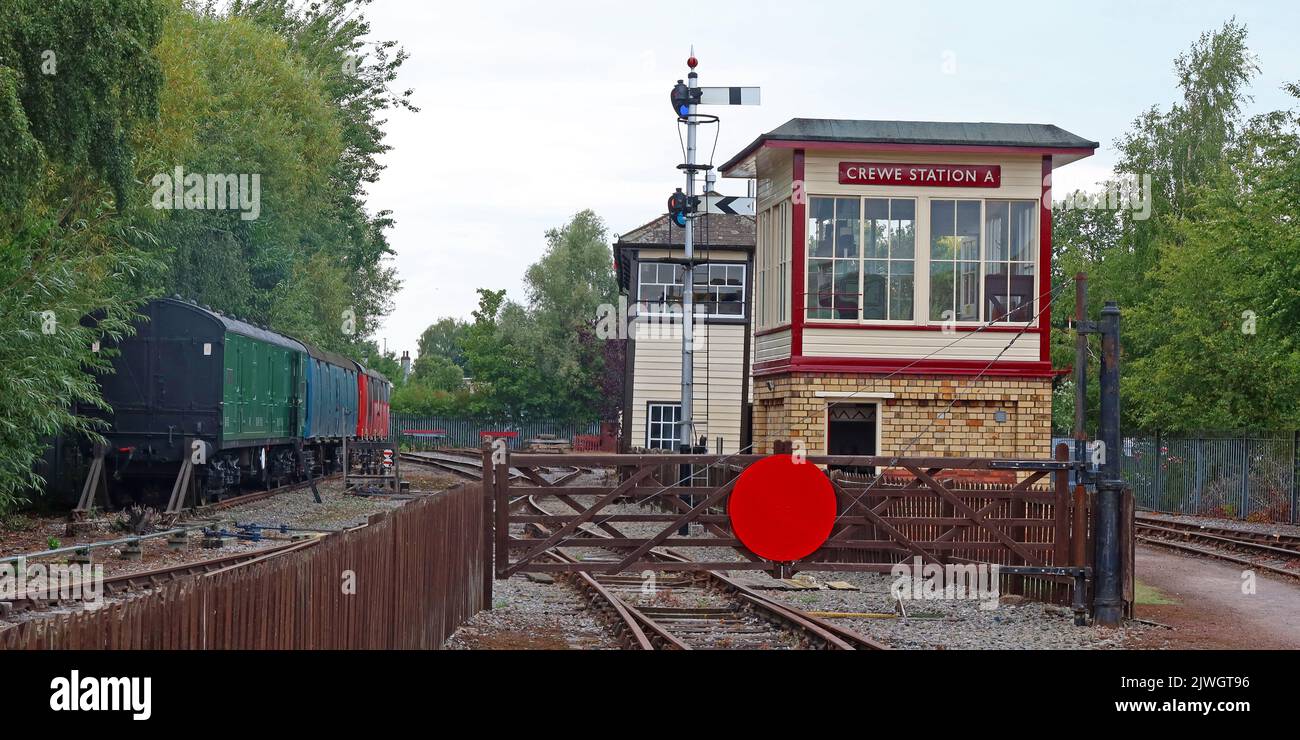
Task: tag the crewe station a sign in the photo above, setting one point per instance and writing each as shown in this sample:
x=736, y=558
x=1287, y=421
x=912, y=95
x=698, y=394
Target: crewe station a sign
x=935, y=175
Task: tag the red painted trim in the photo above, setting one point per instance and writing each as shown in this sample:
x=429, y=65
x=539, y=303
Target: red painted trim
x=904, y=174
x=855, y=146
x=1045, y=262
x=773, y=330
x=798, y=255
x=902, y=366
x=1012, y=329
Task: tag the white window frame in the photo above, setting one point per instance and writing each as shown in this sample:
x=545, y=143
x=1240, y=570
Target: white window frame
x=650, y=423
x=916, y=261
x=646, y=308
x=922, y=261
x=1011, y=264
x=979, y=263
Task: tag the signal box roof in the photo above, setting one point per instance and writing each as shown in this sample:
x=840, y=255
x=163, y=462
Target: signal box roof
x=1033, y=138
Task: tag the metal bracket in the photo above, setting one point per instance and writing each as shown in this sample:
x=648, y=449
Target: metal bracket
x=1033, y=464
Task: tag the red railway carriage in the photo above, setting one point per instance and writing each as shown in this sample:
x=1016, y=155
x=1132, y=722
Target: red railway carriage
x=373, y=390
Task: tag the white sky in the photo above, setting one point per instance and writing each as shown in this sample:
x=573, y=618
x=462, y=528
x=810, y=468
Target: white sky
x=531, y=112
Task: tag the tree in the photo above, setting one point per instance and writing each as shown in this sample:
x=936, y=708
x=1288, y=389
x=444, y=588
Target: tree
x=1180, y=149
x=1206, y=284
x=566, y=287
x=78, y=83
x=438, y=373
x=542, y=360
x=1225, y=298
x=444, y=338
x=355, y=75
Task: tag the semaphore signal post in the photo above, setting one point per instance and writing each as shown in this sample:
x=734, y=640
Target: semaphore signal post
x=682, y=207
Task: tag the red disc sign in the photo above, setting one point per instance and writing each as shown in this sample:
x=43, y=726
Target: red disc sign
x=781, y=510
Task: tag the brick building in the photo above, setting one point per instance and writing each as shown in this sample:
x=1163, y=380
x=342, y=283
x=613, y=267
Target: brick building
x=902, y=283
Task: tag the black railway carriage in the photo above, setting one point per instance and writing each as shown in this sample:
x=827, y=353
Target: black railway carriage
x=195, y=384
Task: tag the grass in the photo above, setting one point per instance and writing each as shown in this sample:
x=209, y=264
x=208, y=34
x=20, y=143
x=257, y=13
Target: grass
x=1144, y=594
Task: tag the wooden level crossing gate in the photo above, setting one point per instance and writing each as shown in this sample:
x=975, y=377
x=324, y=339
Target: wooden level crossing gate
x=923, y=510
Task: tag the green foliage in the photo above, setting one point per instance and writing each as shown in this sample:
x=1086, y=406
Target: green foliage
x=543, y=360
x=438, y=373
x=72, y=94
x=1208, y=285
x=444, y=338
x=355, y=76
x=1221, y=316
x=87, y=119
x=419, y=399
x=385, y=363
x=72, y=97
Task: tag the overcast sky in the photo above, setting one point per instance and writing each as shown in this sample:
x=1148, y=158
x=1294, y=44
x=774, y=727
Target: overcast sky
x=531, y=112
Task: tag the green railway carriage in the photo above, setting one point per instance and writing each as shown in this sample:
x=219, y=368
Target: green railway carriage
x=263, y=384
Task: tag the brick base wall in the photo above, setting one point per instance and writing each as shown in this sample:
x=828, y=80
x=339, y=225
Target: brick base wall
x=793, y=409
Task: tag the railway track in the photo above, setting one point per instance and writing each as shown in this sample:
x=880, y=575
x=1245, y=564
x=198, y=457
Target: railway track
x=1225, y=543
x=697, y=610
x=458, y=464
x=470, y=466
x=249, y=498
x=43, y=598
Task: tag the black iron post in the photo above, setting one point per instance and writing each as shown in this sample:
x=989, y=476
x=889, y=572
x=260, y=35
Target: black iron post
x=1108, y=603
x=1295, y=475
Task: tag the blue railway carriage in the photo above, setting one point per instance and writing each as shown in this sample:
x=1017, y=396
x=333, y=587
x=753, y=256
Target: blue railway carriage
x=331, y=408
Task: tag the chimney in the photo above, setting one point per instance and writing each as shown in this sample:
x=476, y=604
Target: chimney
x=406, y=365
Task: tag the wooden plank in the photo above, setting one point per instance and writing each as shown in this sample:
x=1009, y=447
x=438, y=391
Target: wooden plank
x=961, y=506
x=947, y=463
x=501, y=513
x=1061, y=510
x=488, y=492
x=889, y=530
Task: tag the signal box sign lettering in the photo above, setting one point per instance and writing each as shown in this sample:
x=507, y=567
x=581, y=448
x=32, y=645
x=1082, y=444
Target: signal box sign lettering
x=932, y=175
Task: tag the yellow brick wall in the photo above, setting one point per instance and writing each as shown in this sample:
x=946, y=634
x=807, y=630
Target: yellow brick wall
x=792, y=409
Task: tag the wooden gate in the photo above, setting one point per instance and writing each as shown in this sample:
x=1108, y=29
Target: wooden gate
x=921, y=508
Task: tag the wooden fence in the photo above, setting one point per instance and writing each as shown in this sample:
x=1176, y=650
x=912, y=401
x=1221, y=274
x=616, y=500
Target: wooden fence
x=418, y=573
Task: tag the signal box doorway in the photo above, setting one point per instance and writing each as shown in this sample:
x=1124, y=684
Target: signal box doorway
x=851, y=429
